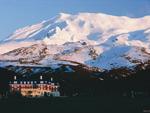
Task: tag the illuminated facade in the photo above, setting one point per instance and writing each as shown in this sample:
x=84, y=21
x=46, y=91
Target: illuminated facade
x=35, y=88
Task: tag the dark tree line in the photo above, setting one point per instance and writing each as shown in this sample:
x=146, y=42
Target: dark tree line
x=4, y=80
x=83, y=83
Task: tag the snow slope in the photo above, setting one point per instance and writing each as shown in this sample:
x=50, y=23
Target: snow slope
x=93, y=39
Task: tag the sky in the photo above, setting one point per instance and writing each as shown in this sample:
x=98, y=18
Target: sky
x=15, y=14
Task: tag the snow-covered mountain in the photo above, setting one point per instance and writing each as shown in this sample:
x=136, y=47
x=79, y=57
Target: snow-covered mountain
x=89, y=39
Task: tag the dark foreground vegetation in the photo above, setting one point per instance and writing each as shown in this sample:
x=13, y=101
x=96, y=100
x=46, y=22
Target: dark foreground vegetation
x=105, y=104
x=83, y=92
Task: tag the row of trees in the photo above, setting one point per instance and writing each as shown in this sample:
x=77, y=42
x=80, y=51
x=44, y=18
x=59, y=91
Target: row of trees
x=90, y=84
x=4, y=81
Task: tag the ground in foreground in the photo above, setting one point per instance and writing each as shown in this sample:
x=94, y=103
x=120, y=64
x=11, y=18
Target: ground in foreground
x=105, y=104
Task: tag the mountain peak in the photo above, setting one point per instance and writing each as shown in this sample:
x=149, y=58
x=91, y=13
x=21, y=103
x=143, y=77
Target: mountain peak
x=64, y=15
x=67, y=26
x=93, y=39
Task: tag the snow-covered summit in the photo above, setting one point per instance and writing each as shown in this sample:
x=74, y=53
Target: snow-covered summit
x=94, y=39
x=84, y=26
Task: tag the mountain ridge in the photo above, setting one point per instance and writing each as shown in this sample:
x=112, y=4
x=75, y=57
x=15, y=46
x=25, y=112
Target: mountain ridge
x=93, y=39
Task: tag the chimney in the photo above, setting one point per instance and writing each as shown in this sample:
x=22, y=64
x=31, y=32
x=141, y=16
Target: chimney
x=41, y=77
x=15, y=77
x=41, y=80
x=51, y=79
